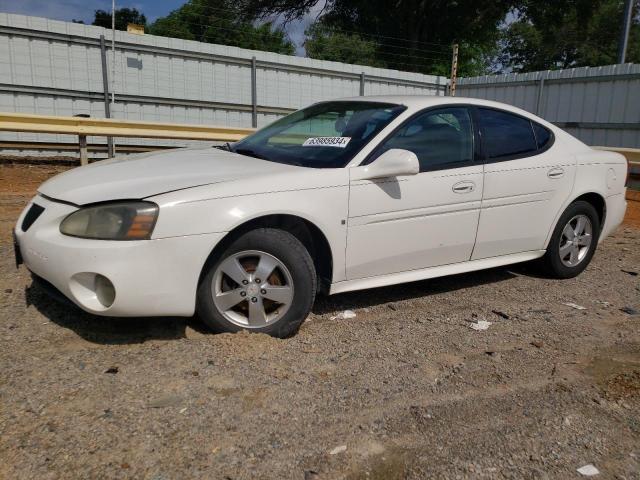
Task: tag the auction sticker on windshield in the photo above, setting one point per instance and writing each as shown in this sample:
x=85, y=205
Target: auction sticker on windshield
x=340, y=142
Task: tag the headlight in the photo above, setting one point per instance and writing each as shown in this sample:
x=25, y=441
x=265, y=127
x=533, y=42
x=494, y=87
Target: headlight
x=112, y=221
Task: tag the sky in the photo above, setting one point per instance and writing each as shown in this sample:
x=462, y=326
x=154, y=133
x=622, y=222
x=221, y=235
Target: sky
x=83, y=10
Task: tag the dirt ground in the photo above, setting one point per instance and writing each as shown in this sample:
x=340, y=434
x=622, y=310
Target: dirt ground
x=406, y=389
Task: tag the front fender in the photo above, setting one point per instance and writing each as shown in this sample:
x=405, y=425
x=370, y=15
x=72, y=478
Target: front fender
x=326, y=208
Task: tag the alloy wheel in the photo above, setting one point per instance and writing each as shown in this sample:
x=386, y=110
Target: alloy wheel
x=252, y=289
x=576, y=240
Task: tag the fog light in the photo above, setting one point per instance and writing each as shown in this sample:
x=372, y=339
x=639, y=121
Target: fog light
x=105, y=291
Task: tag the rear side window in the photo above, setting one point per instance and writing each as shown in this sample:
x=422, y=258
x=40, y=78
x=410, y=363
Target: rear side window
x=543, y=135
x=506, y=135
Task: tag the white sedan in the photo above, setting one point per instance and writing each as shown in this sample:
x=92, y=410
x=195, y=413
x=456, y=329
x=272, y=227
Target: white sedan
x=342, y=195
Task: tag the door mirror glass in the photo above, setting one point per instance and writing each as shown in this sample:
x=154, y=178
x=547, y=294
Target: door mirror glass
x=392, y=163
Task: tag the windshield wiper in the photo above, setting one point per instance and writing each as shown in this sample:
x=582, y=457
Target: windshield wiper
x=250, y=153
x=225, y=146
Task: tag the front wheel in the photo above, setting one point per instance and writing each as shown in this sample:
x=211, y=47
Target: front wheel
x=265, y=281
x=573, y=242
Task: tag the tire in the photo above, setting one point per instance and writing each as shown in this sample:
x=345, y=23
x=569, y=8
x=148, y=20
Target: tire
x=567, y=263
x=232, y=296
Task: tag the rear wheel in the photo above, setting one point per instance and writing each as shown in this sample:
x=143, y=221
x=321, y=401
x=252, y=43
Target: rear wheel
x=264, y=282
x=573, y=241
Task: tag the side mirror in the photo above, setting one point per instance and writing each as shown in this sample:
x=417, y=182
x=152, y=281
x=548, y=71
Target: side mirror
x=392, y=163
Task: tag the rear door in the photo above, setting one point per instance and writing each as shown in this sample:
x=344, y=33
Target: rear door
x=526, y=182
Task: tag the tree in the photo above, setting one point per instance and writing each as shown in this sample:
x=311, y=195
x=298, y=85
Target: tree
x=124, y=16
x=566, y=34
x=324, y=44
x=408, y=34
x=220, y=21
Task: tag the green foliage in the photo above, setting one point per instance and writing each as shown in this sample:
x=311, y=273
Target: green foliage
x=566, y=34
x=220, y=21
x=411, y=35
x=324, y=44
x=405, y=35
x=123, y=17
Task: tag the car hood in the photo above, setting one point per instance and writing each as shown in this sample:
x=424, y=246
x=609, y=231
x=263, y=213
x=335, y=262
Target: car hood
x=145, y=175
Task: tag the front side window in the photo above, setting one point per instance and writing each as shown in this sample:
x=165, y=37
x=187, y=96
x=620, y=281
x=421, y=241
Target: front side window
x=325, y=135
x=505, y=135
x=440, y=138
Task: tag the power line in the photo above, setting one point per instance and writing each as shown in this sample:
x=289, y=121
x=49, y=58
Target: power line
x=235, y=12
x=249, y=29
x=416, y=58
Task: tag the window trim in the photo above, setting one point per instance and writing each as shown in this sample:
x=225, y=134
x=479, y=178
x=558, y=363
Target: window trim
x=551, y=141
x=518, y=156
x=477, y=157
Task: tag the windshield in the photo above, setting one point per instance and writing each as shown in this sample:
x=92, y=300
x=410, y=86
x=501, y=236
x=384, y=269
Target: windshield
x=325, y=135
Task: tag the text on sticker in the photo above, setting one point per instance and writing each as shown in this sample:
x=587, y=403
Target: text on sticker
x=339, y=142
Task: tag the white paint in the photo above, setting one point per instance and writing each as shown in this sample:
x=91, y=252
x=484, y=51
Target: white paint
x=381, y=230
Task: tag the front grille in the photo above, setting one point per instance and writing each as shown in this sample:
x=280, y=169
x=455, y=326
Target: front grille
x=32, y=215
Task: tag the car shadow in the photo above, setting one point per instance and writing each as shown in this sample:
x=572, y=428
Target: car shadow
x=131, y=330
x=108, y=330
x=422, y=288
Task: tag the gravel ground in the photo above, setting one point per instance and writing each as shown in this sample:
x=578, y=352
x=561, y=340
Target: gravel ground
x=406, y=389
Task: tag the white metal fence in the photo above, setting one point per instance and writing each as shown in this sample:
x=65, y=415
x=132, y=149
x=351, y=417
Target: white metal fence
x=599, y=105
x=59, y=68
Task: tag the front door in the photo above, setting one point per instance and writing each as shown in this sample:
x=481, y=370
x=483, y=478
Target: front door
x=413, y=222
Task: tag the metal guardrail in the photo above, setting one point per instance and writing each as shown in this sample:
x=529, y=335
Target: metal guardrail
x=19, y=122
x=83, y=127
x=632, y=154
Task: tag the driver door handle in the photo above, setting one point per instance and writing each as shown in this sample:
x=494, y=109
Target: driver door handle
x=555, y=173
x=464, y=187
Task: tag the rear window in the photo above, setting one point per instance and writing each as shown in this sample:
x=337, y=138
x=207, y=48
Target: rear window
x=543, y=135
x=506, y=135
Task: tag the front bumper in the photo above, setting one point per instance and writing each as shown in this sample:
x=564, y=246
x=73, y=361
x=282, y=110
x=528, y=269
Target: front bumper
x=150, y=277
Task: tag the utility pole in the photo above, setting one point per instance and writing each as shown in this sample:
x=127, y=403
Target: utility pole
x=624, y=34
x=454, y=71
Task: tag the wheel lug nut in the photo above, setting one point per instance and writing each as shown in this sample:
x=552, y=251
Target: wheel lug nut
x=258, y=280
x=254, y=299
x=263, y=291
x=244, y=282
x=243, y=294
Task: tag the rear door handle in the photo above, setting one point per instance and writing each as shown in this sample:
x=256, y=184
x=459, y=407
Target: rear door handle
x=464, y=187
x=556, y=173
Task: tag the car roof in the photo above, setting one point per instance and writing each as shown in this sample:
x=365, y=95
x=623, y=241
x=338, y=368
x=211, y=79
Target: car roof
x=419, y=102
x=415, y=103
x=424, y=101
